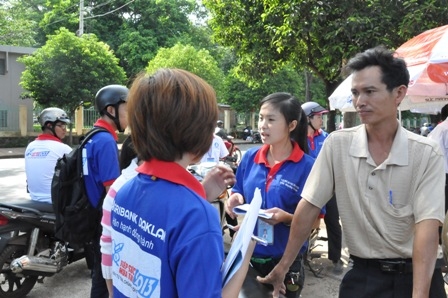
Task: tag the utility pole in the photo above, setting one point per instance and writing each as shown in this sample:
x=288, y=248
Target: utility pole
x=79, y=113
x=81, y=18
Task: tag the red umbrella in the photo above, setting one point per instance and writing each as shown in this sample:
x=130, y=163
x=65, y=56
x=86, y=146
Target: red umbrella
x=426, y=56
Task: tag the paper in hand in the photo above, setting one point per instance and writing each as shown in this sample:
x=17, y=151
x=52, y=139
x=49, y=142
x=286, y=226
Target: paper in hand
x=242, y=239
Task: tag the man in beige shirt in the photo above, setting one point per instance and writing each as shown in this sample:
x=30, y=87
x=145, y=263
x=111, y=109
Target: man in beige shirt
x=388, y=189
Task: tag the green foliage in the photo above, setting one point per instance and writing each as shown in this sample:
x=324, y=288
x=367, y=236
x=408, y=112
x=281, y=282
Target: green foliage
x=68, y=71
x=16, y=27
x=245, y=96
x=139, y=28
x=199, y=62
x=319, y=36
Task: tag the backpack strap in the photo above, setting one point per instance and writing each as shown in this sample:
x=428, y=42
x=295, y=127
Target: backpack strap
x=90, y=134
x=87, y=137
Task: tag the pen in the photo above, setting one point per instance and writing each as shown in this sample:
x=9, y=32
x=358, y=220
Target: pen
x=390, y=197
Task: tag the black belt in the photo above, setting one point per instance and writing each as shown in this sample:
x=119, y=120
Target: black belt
x=385, y=265
x=390, y=265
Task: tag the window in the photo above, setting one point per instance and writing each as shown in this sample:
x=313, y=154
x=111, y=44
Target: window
x=2, y=66
x=3, y=118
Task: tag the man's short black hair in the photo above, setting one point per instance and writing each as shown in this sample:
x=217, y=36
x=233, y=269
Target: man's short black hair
x=394, y=69
x=444, y=112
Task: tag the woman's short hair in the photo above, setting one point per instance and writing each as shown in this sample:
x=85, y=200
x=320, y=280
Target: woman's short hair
x=170, y=113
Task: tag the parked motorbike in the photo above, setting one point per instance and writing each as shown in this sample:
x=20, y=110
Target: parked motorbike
x=29, y=252
x=199, y=171
x=234, y=151
x=251, y=136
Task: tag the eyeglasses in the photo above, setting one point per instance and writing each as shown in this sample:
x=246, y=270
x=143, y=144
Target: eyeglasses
x=62, y=126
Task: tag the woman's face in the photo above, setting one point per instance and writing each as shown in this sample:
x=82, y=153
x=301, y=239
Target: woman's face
x=272, y=125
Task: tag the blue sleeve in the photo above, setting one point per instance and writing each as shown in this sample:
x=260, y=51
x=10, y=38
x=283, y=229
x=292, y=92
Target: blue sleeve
x=240, y=172
x=106, y=158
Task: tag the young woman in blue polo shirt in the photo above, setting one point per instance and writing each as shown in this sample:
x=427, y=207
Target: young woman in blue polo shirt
x=279, y=169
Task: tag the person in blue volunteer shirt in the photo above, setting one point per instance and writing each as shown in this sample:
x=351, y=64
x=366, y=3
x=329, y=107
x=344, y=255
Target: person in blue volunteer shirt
x=279, y=169
x=316, y=138
x=166, y=238
x=101, y=168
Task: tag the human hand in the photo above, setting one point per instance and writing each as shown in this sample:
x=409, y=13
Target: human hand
x=233, y=201
x=217, y=180
x=276, y=278
x=278, y=216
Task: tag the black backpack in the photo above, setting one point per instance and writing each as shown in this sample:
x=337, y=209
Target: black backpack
x=77, y=221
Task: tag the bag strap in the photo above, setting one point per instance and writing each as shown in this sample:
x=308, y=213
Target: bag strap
x=87, y=137
x=90, y=134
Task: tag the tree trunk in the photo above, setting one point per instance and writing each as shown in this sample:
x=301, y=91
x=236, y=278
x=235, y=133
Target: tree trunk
x=331, y=120
x=349, y=119
x=308, y=79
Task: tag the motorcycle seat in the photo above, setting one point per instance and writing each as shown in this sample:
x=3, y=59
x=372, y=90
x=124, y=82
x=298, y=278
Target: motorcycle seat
x=30, y=206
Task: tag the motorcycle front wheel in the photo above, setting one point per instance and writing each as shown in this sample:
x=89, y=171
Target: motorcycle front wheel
x=237, y=155
x=11, y=285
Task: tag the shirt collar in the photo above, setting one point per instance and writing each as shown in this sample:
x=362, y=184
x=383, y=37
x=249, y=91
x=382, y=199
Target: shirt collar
x=317, y=132
x=295, y=156
x=47, y=137
x=104, y=124
x=398, y=154
x=172, y=172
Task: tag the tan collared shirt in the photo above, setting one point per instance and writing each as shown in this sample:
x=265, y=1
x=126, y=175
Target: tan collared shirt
x=379, y=205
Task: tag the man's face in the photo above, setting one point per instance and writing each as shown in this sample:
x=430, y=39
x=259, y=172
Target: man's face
x=60, y=129
x=373, y=102
x=123, y=115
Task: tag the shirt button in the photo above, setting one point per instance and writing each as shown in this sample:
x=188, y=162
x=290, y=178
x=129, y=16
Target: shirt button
x=373, y=174
x=370, y=187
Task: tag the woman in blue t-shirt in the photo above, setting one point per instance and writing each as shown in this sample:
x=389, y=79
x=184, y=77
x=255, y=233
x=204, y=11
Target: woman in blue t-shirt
x=279, y=169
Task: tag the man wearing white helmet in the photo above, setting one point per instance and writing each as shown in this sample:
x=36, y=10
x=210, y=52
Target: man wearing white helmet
x=42, y=154
x=316, y=138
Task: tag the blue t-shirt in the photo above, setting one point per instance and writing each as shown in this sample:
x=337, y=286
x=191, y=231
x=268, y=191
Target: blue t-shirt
x=284, y=192
x=100, y=165
x=167, y=239
x=317, y=142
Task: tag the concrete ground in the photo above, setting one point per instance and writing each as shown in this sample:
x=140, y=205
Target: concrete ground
x=323, y=284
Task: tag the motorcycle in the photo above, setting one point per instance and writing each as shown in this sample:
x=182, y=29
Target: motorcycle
x=29, y=250
x=251, y=136
x=233, y=149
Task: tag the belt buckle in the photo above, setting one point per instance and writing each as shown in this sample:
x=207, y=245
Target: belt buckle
x=393, y=266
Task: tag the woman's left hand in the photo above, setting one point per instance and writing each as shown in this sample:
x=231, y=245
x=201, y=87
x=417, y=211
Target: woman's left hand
x=278, y=216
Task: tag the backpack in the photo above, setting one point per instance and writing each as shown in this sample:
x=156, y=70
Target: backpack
x=77, y=221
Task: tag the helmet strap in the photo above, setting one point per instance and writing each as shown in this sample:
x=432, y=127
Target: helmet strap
x=52, y=128
x=115, y=119
x=309, y=123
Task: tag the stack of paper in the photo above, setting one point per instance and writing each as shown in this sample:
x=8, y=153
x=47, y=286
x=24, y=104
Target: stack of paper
x=242, y=240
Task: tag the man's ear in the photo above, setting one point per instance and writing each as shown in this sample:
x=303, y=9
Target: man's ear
x=401, y=93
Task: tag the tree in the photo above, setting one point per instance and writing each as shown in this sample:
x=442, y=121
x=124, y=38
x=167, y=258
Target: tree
x=186, y=57
x=135, y=30
x=316, y=35
x=16, y=27
x=68, y=71
x=244, y=96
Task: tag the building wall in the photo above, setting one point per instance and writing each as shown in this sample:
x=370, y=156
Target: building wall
x=10, y=102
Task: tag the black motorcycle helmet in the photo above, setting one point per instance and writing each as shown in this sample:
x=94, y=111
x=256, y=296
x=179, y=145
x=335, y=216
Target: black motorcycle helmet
x=111, y=95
